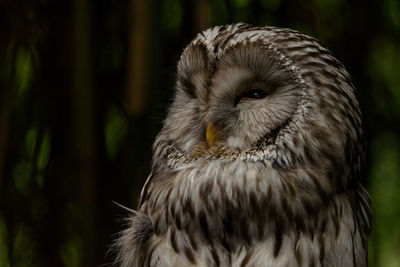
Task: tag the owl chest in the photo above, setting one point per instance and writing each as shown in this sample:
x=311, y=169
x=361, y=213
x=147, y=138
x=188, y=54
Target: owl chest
x=246, y=217
x=293, y=251
x=233, y=239
x=219, y=208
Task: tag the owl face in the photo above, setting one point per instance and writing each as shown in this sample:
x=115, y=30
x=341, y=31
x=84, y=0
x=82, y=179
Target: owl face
x=245, y=94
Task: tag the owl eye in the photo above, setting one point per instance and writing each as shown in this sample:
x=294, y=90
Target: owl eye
x=253, y=94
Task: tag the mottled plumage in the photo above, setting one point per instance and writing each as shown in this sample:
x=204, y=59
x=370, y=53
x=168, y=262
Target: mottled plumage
x=279, y=183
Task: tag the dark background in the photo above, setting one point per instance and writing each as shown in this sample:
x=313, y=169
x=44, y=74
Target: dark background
x=84, y=86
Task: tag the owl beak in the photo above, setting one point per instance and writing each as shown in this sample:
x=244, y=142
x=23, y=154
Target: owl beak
x=211, y=135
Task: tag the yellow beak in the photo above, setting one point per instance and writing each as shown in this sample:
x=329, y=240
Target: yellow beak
x=211, y=135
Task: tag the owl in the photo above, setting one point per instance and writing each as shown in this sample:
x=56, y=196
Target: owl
x=259, y=159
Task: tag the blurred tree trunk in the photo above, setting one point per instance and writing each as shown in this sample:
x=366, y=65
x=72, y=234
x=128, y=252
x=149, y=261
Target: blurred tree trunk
x=137, y=93
x=4, y=126
x=54, y=80
x=202, y=18
x=68, y=215
x=7, y=61
x=138, y=58
x=82, y=108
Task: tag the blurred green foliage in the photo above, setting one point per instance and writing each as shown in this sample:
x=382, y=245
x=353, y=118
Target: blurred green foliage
x=69, y=146
x=116, y=127
x=3, y=240
x=171, y=15
x=383, y=186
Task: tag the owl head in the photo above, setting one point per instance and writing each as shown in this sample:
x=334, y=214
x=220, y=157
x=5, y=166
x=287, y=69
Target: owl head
x=264, y=93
